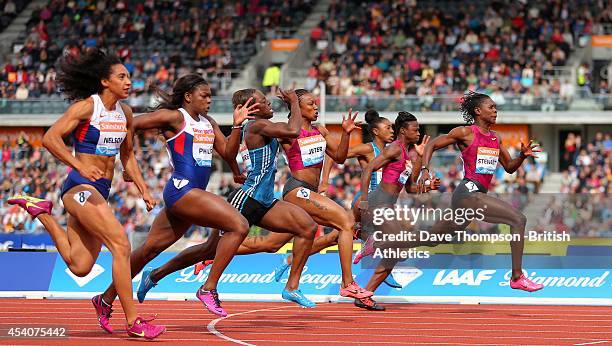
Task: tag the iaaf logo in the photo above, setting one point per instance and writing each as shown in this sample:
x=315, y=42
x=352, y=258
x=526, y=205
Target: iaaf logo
x=320, y=281
x=96, y=270
x=455, y=278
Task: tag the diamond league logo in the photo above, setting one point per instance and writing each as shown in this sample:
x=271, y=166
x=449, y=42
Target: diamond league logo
x=404, y=276
x=96, y=270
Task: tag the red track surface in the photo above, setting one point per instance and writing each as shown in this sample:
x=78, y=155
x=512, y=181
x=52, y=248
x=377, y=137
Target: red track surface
x=280, y=323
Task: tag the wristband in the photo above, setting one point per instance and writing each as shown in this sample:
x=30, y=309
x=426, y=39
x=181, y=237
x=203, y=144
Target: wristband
x=237, y=126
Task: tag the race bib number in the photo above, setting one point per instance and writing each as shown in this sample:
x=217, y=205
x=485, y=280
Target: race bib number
x=203, y=141
x=303, y=193
x=486, y=160
x=403, y=178
x=82, y=196
x=112, y=134
x=312, y=150
x=471, y=186
x=246, y=158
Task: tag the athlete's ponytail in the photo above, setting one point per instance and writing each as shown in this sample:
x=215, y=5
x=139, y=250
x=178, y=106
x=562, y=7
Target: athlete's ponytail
x=182, y=86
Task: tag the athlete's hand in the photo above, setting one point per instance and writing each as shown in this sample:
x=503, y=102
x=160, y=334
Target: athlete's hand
x=530, y=149
x=91, y=173
x=127, y=178
x=287, y=96
x=423, y=181
x=240, y=179
x=434, y=184
x=149, y=200
x=349, y=123
x=241, y=112
x=420, y=149
x=323, y=188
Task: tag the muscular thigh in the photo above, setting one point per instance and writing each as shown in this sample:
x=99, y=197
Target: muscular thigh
x=87, y=206
x=205, y=209
x=323, y=210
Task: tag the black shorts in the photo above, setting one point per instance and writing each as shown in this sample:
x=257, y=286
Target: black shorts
x=465, y=189
x=249, y=207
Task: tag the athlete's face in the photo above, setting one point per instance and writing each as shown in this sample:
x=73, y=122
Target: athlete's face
x=265, y=106
x=118, y=82
x=309, y=108
x=487, y=111
x=384, y=130
x=411, y=132
x=199, y=99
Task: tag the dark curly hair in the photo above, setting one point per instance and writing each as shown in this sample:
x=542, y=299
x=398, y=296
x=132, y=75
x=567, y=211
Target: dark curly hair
x=373, y=119
x=79, y=76
x=182, y=85
x=470, y=101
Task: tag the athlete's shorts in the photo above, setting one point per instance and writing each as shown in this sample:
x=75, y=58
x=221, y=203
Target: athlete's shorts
x=465, y=189
x=178, y=185
x=293, y=183
x=250, y=208
x=102, y=185
x=378, y=198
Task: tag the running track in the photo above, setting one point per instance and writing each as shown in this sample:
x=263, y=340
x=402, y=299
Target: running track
x=284, y=323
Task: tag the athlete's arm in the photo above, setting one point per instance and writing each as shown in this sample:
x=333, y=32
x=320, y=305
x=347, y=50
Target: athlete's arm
x=510, y=164
x=324, y=182
x=128, y=159
x=221, y=143
x=290, y=129
x=53, y=139
x=360, y=150
x=390, y=153
x=162, y=119
x=456, y=135
x=340, y=151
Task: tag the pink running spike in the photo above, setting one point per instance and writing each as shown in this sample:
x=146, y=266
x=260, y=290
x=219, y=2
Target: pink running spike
x=523, y=283
x=141, y=328
x=34, y=206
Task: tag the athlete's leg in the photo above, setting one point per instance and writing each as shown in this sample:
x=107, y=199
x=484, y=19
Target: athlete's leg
x=270, y=243
x=95, y=216
x=188, y=257
x=165, y=231
x=287, y=218
x=498, y=211
x=206, y=209
x=326, y=212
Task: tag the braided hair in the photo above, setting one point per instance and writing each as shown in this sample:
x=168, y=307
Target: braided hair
x=182, y=85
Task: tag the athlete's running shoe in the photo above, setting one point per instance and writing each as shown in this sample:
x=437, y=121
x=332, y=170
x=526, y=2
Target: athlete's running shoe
x=297, y=296
x=369, y=304
x=390, y=281
x=34, y=206
x=355, y=291
x=141, y=328
x=145, y=284
x=201, y=266
x=523, y=283
x=104, y=312
x=211, y=301
x=281, y=269
x=366, y=250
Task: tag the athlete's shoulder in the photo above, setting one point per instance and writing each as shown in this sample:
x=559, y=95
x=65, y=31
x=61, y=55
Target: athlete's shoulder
x=82, y=109
x=127, y=110
x=324, y=131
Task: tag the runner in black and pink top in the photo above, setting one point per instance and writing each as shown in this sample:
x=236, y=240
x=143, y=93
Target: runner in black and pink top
x=481, y=150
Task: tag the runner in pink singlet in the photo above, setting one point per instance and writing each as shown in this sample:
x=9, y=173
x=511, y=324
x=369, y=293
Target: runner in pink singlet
x=481, y=151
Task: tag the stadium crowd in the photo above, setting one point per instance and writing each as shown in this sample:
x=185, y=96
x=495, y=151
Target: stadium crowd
x=156, y=40
x=401, y=48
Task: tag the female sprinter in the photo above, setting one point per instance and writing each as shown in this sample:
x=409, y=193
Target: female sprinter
x=481, y=150
x=255, y=199
x=102, y=128
x=305, y=155
x=397, y=162
x=191, y=134
x=381, y=132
